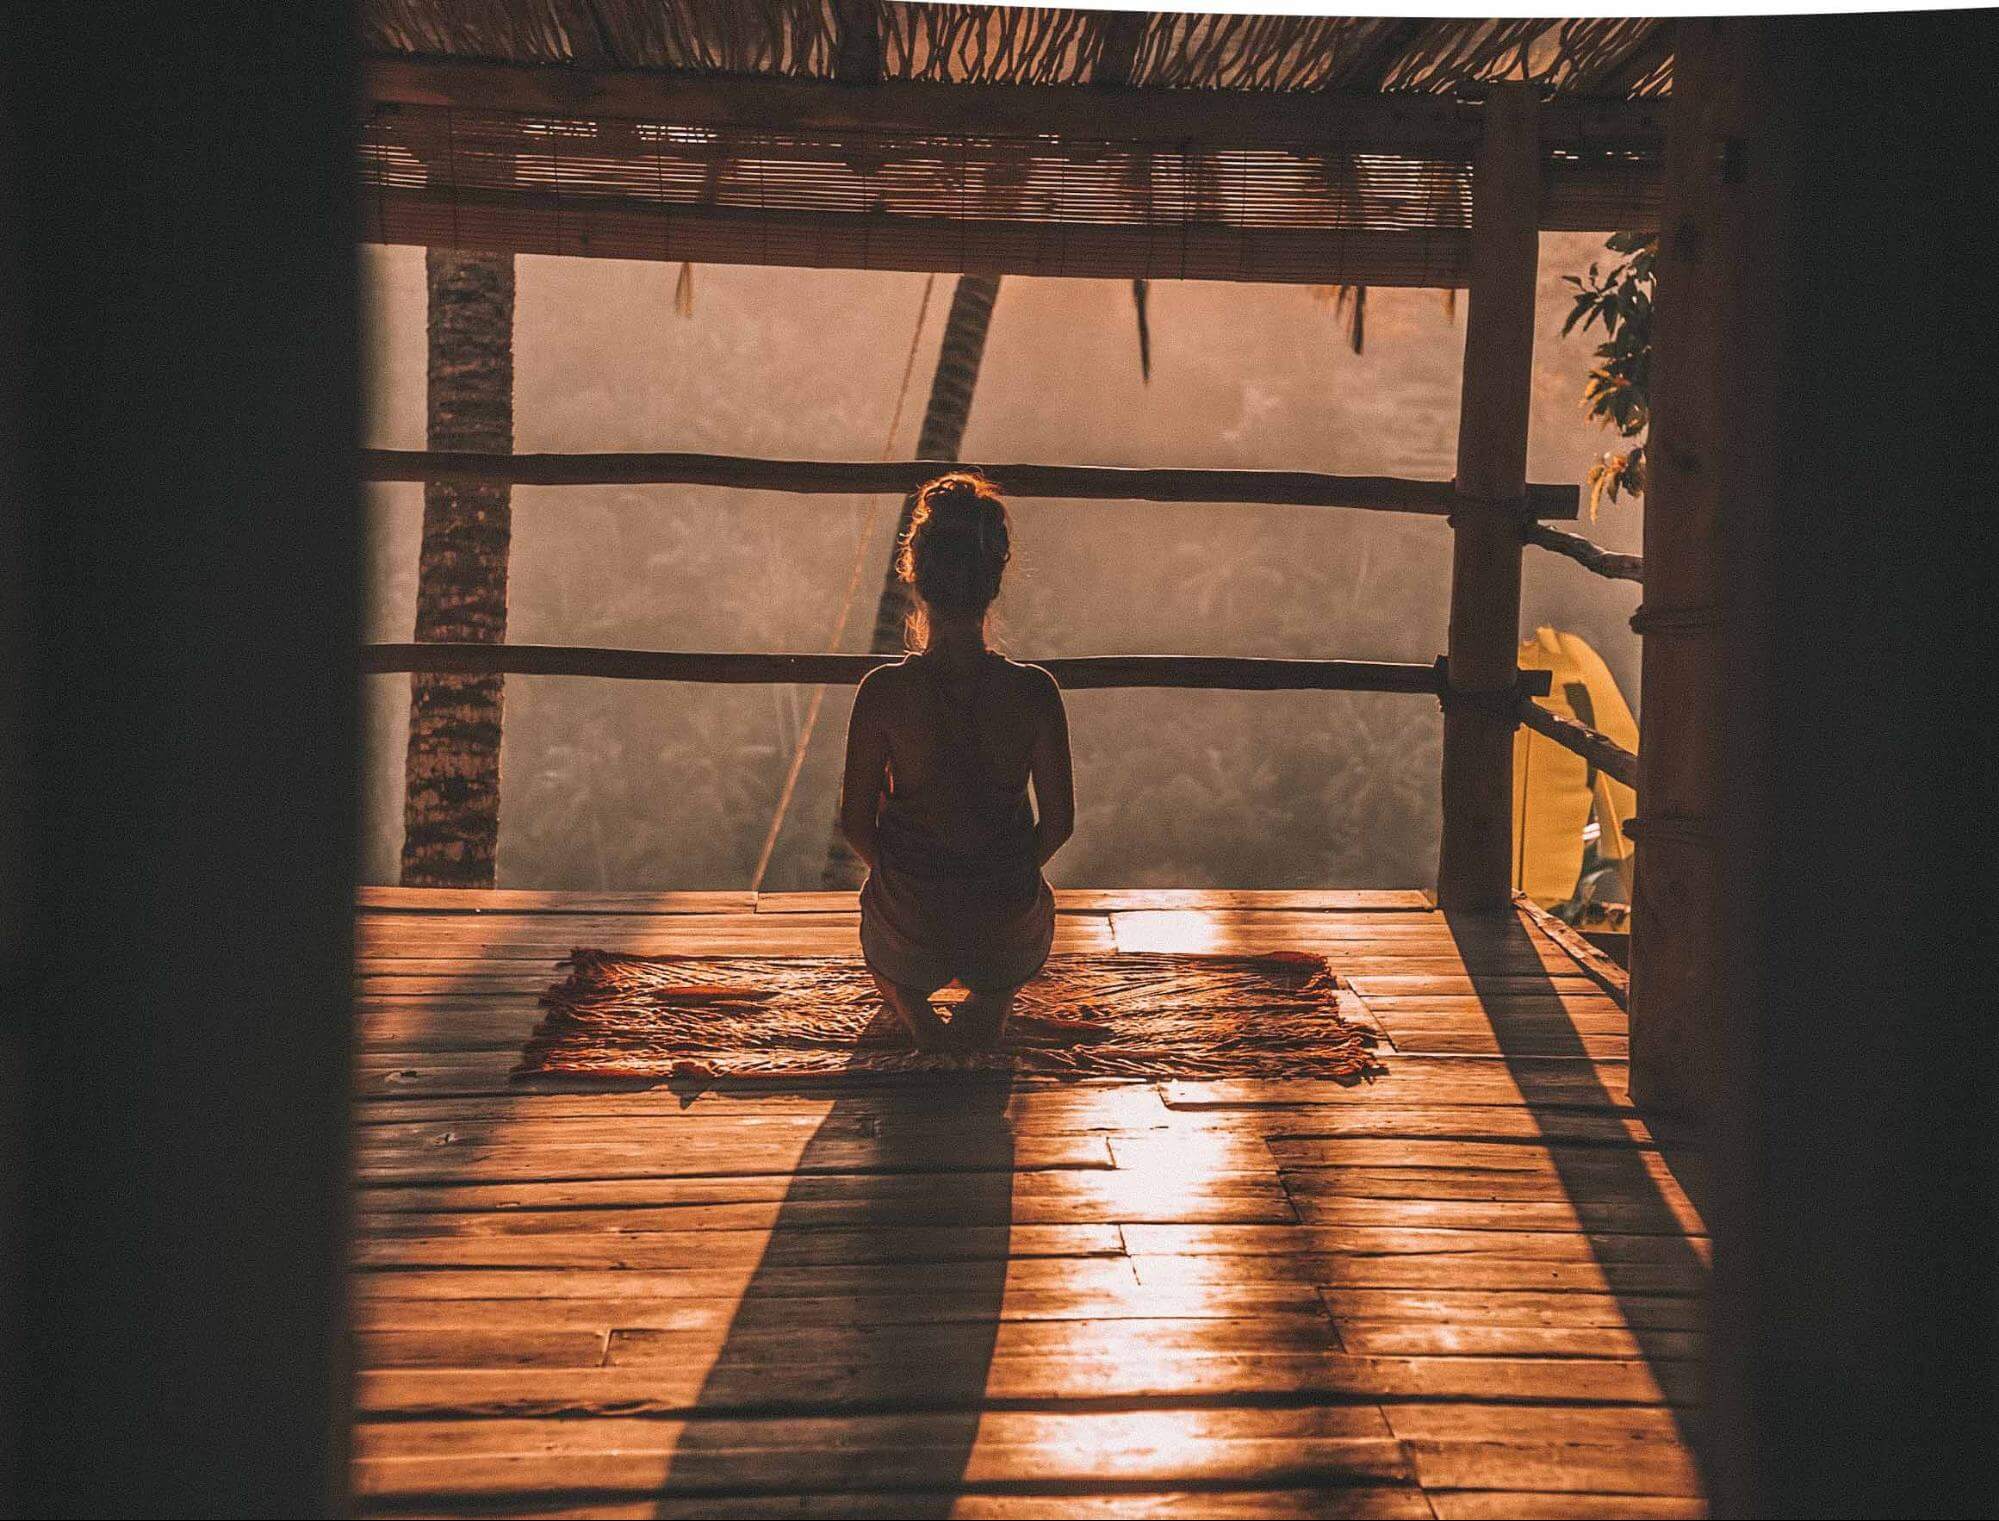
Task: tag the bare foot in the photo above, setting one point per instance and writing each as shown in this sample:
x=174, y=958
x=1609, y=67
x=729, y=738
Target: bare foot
x=981, y=1020
x=960, y=1036
x=914, y=1012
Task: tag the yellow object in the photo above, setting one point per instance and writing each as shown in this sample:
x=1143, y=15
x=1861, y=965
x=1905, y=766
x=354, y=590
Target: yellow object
x=1554, y=790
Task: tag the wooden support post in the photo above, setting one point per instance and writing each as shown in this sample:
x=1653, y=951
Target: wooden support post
x=1475, y=868
x=1676, y=898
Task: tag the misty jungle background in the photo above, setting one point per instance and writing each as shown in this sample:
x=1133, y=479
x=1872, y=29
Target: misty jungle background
x=609, y=785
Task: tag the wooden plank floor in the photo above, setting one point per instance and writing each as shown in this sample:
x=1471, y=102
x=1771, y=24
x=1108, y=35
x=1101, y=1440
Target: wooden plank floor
x=1469, y=1288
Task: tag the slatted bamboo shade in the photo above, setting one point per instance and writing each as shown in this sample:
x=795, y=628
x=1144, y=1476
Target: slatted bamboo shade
x=873, y=200
x=1320, y=212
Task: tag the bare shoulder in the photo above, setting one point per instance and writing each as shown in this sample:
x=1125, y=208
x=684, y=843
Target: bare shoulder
x=1033, y=686
x=883, y=692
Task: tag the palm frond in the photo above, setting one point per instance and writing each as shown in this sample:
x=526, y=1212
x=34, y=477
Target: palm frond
x=1141, y=291
x=1349, y=304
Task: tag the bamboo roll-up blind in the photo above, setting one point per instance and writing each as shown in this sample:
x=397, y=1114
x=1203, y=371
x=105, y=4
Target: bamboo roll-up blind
x=870, y=199
x=1325, y=212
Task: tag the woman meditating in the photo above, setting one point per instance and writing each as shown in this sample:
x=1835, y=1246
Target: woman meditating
x=940, y=752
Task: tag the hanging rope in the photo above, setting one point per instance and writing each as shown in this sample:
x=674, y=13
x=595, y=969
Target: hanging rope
x=861, y=546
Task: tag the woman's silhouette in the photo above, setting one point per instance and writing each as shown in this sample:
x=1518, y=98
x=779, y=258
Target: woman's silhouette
x=940, y=753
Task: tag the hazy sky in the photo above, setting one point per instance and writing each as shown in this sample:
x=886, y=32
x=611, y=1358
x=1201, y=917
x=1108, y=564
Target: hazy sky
x=634, y=785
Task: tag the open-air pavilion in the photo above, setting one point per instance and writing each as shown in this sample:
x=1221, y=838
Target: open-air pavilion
x=1479, y=1284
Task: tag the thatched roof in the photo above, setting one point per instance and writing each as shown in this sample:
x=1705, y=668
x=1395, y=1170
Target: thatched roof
x=872, y=134
x=993, y=44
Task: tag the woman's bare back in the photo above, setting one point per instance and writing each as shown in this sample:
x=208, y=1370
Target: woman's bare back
x=940, y=760
x=962, y=729
x=957, y=787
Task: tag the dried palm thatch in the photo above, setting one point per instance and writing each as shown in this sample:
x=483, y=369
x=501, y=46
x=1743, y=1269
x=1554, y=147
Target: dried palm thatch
x=1130, y=1015
x=1011, y=44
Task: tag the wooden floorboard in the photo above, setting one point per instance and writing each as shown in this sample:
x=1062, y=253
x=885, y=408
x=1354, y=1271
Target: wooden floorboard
x=1470, y=1287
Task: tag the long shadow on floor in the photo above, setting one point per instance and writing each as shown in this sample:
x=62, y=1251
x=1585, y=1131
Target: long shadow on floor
x=1635, y=1235
x=857, y=1359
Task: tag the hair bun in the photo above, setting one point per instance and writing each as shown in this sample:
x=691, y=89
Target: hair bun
x=958, y=544
x=958, y=486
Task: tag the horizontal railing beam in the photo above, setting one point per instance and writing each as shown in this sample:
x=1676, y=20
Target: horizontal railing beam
x=1591, y=556
x=1599, y=749
x=1074, y=673
x=1291, y=488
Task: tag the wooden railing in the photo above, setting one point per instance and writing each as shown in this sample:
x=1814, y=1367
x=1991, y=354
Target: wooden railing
x=1599, y=749
x=1075, y=482
x=1591, y=556
x=1074, y=673
x=1290, y=488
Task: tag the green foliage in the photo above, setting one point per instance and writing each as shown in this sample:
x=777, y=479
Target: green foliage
x=1618, y=393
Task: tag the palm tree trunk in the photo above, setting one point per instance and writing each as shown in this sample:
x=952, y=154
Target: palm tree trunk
x=943, y=432
x=451, y=808
x=941, y=438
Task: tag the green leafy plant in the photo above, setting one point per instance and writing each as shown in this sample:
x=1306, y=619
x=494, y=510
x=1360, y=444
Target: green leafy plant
x=1618, y=393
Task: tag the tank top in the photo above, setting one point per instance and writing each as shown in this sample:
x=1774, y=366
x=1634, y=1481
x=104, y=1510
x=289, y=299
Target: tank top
x=965, y=820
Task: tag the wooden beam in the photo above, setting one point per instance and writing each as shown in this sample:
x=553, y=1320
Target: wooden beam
x=1591, y=961
x=1600, y=750
x=616, y=227
x=1475, y=865
x=1680, y=1049
x=622, y=227
x=1589, y=555
x=1227, y=118
x=1292, y=488
x=1075, y=673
